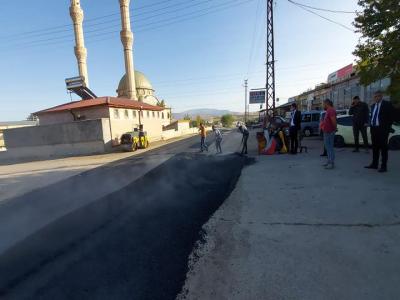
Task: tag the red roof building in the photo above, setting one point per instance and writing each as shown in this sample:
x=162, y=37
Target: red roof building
x=111, y=102
x=122, y=115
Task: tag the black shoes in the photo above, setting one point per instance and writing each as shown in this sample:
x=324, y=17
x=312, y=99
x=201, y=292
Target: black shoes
x=375, y=167
x=323, y=154
x=356, y=150
x=382, y=170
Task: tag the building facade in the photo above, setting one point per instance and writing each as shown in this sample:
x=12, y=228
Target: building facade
x=340, y=87
x=123, y=115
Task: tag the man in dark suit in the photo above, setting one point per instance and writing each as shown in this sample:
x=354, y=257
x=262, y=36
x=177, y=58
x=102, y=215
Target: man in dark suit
x=295, y=126
x=360, y=112
x=381, y=124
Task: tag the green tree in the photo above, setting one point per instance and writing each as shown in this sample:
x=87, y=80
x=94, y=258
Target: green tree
x=187, y=117
x=227, y=120
x=378, y=50
x=199, y=120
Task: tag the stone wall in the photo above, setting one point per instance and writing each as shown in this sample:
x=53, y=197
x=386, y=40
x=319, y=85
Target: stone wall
x=58, y=140
x=67, y=133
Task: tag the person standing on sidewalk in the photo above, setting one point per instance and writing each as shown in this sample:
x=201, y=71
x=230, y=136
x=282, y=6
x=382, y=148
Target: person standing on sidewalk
x=328, y=127
x=203, y=135
x=360, y=112
x=218, y=139
x=381, y=125
x=245, y=137
x=295, y=126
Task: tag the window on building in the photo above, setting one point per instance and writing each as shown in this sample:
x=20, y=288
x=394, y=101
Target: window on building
x=154, y=114
x=158, y=114
x=141, y=113
x=148, y=114
x=168, y=115
x=116, y=113
x=126, y=114
x=162, y=115
x=134, y=114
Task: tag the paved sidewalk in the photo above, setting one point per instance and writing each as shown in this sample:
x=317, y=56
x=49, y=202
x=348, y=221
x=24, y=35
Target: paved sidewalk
x=293, y=230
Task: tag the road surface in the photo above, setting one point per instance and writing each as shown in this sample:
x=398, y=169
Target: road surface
x=123, y=230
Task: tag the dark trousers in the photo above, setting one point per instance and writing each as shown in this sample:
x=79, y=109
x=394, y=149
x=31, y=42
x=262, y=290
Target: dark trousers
x=294, y=139
x=356, y=131
x=379, y=137
x=218, y=145
x=203, y=144
x=245, y=138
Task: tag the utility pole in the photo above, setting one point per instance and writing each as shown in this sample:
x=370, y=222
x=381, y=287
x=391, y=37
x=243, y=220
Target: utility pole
x=245, y=100
x=270, y=72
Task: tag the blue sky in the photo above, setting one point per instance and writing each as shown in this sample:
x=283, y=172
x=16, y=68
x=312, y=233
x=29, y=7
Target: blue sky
x=195, y=52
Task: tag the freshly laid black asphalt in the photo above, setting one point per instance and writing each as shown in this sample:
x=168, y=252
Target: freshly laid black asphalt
x=131, y=244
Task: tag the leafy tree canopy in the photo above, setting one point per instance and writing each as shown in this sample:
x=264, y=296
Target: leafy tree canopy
x=227, y=120
x=378, y=50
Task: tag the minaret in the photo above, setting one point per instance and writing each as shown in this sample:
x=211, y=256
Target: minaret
x=76, y=13
x=127, y=42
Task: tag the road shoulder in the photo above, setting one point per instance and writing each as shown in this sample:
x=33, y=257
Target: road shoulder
x=292, y=230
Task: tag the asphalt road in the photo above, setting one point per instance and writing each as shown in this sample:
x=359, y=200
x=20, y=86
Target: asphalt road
x=131, y=243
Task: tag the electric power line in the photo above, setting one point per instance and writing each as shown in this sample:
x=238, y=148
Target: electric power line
x=144, y=27
x=254, y=36
x=144, y=15
x=323, y=9
x=323, y=17
x=87, y=21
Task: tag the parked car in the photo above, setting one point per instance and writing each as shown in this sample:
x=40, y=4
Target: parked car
x=310, y=122
x=339, y=112
x=344, y=135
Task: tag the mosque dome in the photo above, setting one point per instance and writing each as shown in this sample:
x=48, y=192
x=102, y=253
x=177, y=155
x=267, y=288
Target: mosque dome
x=144, y=89
x=141, y=82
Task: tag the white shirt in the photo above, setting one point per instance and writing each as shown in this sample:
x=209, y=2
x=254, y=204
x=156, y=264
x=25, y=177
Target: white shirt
x=218, y=134
x=292, y=121
x=376, y=111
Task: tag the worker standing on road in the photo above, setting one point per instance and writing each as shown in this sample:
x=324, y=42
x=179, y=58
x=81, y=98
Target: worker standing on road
x=360, y=112
x=203, y=135
x=218, y=139
x=245, y=133
x=329, y=126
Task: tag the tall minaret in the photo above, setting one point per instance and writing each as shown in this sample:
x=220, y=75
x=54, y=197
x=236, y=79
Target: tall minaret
x=127, y=42
x=76, y=13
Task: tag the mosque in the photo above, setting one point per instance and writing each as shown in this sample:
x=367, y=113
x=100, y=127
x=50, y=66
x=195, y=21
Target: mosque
x=135, y=102
x=95, y=124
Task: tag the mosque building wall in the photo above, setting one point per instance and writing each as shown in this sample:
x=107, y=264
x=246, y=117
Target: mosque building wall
x=125, y=120
x=92, y=113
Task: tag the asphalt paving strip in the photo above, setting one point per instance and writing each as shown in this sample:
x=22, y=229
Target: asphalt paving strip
x=131, y=244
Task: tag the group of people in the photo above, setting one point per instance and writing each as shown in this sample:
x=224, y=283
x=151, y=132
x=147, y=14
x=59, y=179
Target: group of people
x=380, y=120
x=203, y=135
x=218, y=138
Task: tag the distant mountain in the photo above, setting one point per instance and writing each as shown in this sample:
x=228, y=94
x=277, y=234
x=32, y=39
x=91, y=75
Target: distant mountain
x=204, y=113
